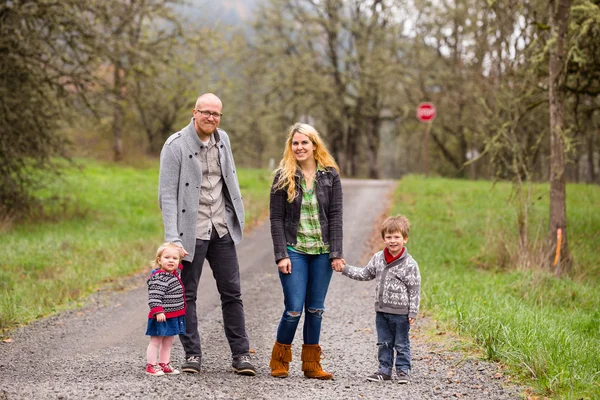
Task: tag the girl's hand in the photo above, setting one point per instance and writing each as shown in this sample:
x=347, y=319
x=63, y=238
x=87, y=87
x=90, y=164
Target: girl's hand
x=160, y=317
x=285, y=265
x=412, y=321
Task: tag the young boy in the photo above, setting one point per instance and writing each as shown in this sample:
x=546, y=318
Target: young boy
x=397, y=297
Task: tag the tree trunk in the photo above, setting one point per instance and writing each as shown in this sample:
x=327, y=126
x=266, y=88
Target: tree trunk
x=559, y=15
x=373, y=147
x=117, y=114
x=590, y=178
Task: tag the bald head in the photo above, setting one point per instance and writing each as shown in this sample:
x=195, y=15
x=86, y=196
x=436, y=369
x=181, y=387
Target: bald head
x=208, y=99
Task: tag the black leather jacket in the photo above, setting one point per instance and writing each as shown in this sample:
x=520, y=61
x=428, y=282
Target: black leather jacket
x=285, y=216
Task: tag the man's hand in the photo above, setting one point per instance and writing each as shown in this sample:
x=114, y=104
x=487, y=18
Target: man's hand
x=183, y=252
x=160, y=317
x=285, y=265
x=412, y=321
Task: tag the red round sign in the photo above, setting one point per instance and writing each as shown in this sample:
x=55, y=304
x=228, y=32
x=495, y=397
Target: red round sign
x=426, y=112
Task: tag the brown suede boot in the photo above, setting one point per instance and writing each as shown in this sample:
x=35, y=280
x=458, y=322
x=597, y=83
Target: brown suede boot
x=311, y=362
x=280, y=360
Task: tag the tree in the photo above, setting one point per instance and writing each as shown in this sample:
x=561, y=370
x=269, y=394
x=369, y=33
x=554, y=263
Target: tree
x=135, y=37
x=558, y=17
x=334, y=64
x=45, y=57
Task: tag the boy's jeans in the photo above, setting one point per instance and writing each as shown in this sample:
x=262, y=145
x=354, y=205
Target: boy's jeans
x=304, y=289
x=392, y=333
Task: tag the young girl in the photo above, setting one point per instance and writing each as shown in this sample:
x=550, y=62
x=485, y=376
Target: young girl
x=167, y=309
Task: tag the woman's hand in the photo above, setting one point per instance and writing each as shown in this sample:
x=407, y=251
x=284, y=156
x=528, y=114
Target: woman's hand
x=338, y=264
x=285, y=265
x=160, y=317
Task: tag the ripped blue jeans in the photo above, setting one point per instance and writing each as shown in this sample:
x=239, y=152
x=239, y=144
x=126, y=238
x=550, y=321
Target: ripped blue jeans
x=304, y=290
x=392, y=334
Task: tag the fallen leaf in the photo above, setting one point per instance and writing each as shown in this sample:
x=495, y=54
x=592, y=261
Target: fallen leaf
x=8, y=340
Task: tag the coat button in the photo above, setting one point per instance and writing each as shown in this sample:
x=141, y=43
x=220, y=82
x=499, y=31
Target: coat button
x=187, y=184
x=182, y=211
x=181, y=234
x=191, y=156
x=197, y=153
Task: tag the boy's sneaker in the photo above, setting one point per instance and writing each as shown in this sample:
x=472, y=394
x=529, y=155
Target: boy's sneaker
x=379, y=377
x=155, y=370
x=168, y=369
x=191, y=365
x=403, y=377
x=241, y=365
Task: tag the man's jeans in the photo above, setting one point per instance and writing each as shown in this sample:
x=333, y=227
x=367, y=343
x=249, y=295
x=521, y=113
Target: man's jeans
x=305, y=288
x=392, y=333
x=222, y=258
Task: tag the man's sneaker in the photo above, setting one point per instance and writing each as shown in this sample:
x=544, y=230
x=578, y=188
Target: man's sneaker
x=379, y=377
x=403, y=377
x=241, y=365
x=155, y=370
x=191, y=365
x=168, y=369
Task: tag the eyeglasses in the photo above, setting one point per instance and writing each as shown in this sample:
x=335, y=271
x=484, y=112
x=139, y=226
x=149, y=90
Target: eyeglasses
x=207, y=114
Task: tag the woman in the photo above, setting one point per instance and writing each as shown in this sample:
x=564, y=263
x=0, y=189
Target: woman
x=306, y=228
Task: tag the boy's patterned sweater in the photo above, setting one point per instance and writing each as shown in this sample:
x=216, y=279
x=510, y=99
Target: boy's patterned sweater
x=398, y=283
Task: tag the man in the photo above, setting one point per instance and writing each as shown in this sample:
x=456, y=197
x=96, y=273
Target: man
x=202, y=211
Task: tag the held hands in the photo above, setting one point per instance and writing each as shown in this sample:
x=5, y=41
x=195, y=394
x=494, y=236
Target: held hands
x=183, y=252
x=285, y=265
x=337, y=264
x=160, y=317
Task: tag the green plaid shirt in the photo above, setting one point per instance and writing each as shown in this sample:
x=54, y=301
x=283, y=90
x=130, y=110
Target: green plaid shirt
x=309, y=238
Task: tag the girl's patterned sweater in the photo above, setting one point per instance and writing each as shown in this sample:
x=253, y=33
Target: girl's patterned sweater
x=165, y=294
x=398, y=283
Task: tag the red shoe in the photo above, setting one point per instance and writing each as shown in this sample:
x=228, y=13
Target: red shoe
x=168, y=369
x=154, y=370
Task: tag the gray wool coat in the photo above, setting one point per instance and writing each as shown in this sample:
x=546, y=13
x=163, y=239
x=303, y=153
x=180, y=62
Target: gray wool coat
x=179, y=183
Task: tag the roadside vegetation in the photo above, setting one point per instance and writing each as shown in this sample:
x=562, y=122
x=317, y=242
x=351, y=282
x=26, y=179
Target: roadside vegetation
x=546, y=329
x=100, y=223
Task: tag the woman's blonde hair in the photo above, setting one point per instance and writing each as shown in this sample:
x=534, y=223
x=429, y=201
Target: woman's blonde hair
x=168, y=245
x=288, y=164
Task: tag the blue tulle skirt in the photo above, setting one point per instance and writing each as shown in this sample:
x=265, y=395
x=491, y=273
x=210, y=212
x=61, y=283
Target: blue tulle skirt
x=171, y=327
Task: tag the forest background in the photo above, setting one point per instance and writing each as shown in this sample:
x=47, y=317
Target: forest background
x=516, y=85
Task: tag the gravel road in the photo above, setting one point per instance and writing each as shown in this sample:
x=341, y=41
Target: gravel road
x=98, y=351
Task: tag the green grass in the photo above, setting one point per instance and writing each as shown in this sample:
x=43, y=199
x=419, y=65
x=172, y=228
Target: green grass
x=547, y=330
x=105, y=225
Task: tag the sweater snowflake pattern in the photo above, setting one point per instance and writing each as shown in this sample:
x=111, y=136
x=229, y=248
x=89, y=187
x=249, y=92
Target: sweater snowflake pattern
x=398, y=283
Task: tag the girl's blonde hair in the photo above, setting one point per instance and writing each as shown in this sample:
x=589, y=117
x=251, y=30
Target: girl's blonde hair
x=168, y=245
x=288, y=164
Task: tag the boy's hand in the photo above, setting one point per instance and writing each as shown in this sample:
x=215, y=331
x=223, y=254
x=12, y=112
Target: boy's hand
x=338, y=264
x=160, y=317
x=412, y=321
